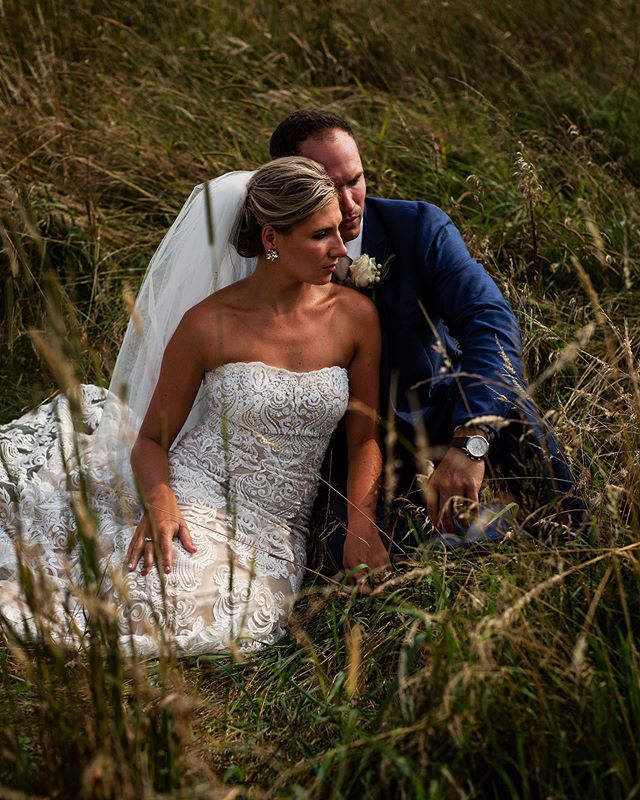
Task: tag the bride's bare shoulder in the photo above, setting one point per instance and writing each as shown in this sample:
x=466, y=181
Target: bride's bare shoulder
x=354, y=303
x=207, y=325
x=223, y=302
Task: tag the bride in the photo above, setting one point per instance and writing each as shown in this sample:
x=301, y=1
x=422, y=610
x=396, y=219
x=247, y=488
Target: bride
x=241, y=393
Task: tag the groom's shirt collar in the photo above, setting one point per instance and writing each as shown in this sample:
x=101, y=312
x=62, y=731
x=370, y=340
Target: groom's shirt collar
x=354, y=247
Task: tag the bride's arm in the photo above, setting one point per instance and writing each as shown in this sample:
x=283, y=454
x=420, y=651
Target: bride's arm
x=180, y=377
x=363, y=544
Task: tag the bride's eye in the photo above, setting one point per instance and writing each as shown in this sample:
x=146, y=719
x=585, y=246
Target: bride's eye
x=321, y=234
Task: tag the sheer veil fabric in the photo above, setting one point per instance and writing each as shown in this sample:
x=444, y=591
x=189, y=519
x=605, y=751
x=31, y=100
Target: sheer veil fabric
x=195, y=258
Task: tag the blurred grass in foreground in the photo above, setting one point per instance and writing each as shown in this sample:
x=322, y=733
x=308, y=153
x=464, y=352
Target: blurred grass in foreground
x=503, y=672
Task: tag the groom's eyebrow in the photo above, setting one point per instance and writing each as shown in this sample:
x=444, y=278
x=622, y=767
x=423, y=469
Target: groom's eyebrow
x=353, y=179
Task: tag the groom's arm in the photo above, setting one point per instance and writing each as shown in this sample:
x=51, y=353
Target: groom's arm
x=459, y=290
x=474, y=310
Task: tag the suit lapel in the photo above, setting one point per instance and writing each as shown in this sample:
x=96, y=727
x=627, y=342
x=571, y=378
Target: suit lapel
x=376, y=244
x=374, y=241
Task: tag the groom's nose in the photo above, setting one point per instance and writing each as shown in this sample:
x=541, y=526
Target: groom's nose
x=345, y=201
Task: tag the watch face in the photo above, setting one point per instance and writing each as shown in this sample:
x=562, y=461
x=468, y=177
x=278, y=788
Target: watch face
x=477, y=446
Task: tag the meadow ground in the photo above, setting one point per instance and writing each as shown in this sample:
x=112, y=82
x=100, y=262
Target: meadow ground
x=510, y=671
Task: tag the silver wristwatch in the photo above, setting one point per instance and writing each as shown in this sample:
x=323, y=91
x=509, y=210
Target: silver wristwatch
x=476, y=446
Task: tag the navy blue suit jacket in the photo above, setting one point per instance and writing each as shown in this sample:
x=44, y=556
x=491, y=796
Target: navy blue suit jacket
x=451, y=352
x=443, y=319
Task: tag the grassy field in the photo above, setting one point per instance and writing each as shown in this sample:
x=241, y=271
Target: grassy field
x=510, y=671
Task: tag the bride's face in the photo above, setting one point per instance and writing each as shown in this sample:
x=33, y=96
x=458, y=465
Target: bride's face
x=310, y=251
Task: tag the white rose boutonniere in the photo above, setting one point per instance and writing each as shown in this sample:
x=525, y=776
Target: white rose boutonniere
x=363, y=273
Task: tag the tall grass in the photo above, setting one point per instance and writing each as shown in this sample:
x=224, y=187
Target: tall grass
x=509, y=671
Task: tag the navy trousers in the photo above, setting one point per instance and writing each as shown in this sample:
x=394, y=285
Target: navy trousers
x=525, y=458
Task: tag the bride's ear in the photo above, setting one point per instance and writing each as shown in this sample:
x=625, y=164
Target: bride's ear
x=269, y=238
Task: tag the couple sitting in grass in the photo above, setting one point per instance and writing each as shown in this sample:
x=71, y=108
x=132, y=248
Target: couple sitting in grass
x=251, y=375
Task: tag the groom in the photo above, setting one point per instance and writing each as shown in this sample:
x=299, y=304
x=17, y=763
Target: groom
x=451, y=375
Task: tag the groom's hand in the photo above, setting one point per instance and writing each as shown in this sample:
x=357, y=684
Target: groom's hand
x=457, y=475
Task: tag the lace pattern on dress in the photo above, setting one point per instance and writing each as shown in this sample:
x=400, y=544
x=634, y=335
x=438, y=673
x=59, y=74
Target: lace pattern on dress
x=245, y=478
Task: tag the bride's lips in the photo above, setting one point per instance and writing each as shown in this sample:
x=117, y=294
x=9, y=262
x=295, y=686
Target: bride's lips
x=330, y=267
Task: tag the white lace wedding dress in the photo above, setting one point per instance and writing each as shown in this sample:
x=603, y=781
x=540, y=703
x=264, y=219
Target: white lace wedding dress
x=245, y=478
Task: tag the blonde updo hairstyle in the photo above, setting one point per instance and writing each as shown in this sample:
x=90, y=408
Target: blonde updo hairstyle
x=282, y=193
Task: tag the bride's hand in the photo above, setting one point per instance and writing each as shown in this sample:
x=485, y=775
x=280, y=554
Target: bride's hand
x=368, y=550
x=147, y=538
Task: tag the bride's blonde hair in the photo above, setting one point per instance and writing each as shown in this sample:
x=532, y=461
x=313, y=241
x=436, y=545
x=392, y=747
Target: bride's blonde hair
x=282, y=193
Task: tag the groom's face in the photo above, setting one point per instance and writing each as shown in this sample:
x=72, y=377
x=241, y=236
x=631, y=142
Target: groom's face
x=338, y=153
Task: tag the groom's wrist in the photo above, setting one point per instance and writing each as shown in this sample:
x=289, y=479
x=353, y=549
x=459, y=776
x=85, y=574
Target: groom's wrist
x=487, y=431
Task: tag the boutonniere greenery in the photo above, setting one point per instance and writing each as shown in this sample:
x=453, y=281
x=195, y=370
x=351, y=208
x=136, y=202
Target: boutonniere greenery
x=364, y=273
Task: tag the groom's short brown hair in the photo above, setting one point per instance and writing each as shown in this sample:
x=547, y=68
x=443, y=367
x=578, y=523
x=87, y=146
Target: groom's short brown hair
x=299, y=126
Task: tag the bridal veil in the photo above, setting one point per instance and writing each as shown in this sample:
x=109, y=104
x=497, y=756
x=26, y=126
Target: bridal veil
x=195, y=258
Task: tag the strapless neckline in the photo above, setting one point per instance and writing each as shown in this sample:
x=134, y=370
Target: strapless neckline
x=230, y=364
